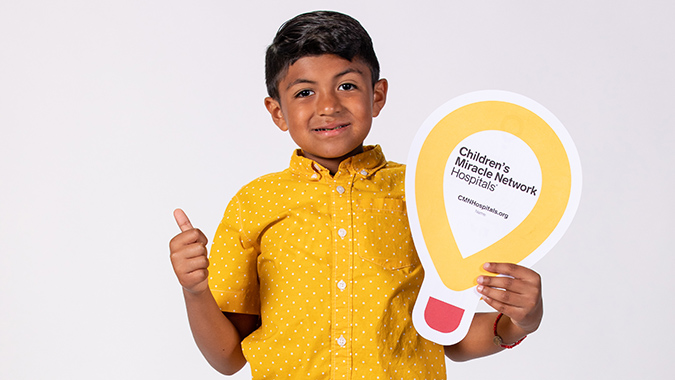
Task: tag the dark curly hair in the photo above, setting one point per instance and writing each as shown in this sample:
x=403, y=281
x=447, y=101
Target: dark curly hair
x=317, y=33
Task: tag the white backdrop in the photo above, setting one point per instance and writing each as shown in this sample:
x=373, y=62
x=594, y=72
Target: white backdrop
x=113, y=113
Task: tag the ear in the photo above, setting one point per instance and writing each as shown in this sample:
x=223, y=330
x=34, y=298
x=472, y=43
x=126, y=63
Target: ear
x=274, y=108
x=379, y=96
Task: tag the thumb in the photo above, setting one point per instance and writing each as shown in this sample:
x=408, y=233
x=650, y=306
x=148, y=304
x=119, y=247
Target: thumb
x=182, y=220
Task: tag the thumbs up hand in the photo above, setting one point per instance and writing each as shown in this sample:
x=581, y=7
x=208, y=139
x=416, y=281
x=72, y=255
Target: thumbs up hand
x=189, y=256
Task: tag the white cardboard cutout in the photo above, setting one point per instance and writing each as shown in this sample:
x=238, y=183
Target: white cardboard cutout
x=491, y=176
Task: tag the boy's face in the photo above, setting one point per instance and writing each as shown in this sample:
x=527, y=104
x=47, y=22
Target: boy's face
x=327, y=104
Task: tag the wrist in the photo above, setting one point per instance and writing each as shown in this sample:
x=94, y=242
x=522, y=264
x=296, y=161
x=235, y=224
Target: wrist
x=506, y=333
x=196, y=293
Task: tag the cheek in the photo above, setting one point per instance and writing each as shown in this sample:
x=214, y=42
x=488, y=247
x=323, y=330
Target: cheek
x=367, y=106
x=363, y=108
x=291, y=119
x=297, y=114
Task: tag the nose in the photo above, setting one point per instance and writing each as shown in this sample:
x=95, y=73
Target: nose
x=328, y=103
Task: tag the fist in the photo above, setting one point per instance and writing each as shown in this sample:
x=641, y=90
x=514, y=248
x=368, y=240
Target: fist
x=189, y=256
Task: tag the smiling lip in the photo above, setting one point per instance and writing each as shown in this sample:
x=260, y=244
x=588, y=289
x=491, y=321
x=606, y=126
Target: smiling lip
x=330, y=128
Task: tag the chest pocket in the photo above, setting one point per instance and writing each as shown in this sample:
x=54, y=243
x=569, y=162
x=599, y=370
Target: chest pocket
x=382, y=233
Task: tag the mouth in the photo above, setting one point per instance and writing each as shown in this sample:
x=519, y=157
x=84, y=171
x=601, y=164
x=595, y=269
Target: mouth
x=335, y=128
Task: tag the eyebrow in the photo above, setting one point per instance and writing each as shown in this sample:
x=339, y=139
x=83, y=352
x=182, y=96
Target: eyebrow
x=342, y=73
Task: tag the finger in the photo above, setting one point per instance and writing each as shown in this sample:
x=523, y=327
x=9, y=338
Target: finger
x=193, y=264
x=503, y=296
x=515, y=313
x=507, y=283
x=182, y=220
x=195, y=280
x=195, y=250
x=190, y=239
x=513, y=270
x=186, y=239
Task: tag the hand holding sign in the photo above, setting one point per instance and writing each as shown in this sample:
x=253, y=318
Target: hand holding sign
x=516, y=293
x=189, y=256
x=492, y=177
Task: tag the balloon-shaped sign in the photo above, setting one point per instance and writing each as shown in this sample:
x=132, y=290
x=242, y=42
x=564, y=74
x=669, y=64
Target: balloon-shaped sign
x=492, y=176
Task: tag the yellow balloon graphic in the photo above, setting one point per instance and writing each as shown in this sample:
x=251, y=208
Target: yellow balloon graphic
x=447, y=300
x=461, y=273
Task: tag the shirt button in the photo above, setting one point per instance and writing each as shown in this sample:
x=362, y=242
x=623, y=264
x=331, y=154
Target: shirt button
x=341, y=341
x=340, y=189
x=342, y=232
x=364, y=172
x=315, y=176
x=342, y=285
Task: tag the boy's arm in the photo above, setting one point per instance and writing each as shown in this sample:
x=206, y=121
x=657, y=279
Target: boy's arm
x=218, y=336
x=518, y=296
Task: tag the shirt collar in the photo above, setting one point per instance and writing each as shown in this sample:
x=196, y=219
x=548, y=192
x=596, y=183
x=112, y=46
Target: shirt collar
x=363, y=164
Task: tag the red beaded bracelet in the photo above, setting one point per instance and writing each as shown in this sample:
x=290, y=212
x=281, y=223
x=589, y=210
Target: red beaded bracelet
x=498, y=339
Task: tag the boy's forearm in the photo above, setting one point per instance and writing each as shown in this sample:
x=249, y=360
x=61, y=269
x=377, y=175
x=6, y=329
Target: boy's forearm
x=479, y=341
x=215, y=335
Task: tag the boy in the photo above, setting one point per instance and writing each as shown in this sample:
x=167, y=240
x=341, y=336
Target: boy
x=312, y=271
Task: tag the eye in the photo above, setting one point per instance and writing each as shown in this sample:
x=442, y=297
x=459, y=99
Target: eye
x=304, y=93
x=347, y=86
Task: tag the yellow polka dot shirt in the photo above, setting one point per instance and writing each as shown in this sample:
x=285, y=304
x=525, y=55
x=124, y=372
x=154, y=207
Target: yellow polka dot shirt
x=329, y=264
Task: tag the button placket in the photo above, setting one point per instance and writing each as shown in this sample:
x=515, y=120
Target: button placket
x=342, y=232
x=342, y=273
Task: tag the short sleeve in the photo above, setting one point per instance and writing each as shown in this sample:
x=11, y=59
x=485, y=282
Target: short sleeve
x=233, y=278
